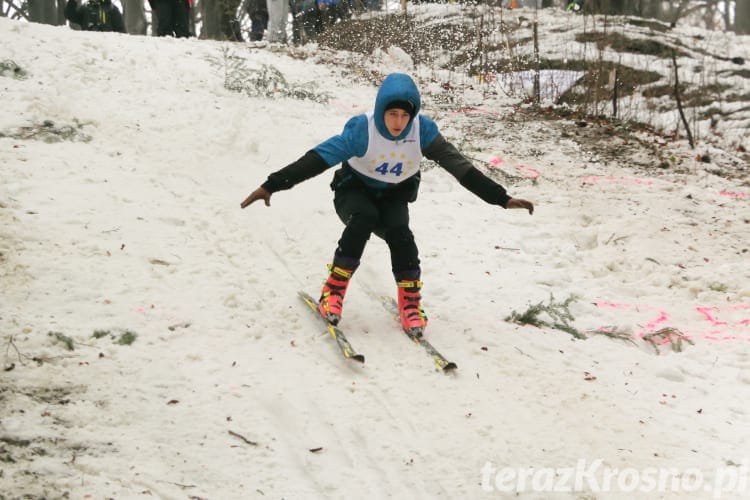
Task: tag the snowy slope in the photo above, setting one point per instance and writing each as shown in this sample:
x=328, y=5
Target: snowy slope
x=133, y=225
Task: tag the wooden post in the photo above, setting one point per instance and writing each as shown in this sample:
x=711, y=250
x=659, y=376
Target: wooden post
x=613, y=85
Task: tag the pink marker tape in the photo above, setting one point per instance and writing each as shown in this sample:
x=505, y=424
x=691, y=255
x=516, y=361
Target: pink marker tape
x=720, y=330
x=734, y=194
x=531, y=172
x=612, y=305
x=495, y=161
x=528, y=172
x=663, y=316
x=707, y=314
x=621, y=305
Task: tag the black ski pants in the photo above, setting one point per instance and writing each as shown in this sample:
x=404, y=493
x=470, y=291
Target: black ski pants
x=364, y=213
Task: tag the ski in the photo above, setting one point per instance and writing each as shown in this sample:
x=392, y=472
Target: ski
x=442, y=364
x=346, y=348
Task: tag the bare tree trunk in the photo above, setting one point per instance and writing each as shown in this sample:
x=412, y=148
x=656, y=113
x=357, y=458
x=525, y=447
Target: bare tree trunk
x=135, y=16
x=278, y=11
x=651, y=9
x=676, y=14
x=727, y=18
x=230, y=27
x=616, y=7
x=211, y=16
x=45, y=12
x=61, y=11
x=220, y=20
x=710, y=13
x=742, y=17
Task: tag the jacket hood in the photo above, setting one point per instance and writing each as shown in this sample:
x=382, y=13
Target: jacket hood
x=395, y=87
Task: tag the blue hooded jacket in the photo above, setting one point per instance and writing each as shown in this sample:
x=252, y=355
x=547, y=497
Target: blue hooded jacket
x=352, y=142
x=353, y=139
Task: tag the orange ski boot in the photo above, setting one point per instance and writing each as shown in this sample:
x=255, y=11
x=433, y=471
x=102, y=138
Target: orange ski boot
x=331, y=301
x=413, y=318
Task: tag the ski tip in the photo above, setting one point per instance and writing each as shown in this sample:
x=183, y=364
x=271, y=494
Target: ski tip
x=450, y=367
x=358, y=357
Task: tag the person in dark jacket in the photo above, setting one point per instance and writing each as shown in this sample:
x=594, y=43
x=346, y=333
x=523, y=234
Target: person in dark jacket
x=172, y=17
x=380, y=153
x=304, y=20
x=95, y=15
x=258, y=12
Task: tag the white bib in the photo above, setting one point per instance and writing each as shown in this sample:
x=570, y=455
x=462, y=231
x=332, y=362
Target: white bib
x=386, y=160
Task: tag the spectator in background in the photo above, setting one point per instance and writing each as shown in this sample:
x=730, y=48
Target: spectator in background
x=172, y=17
x=327, y=13
x=95, y=15
x=310, y=18
x=304, y=20
x=258, y=12
x=330, y=11
x=575, y=6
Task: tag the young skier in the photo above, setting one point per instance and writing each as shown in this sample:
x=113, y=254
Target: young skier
x=379, y=153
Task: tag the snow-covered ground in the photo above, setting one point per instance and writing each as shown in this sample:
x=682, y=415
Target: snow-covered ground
x=131, y=225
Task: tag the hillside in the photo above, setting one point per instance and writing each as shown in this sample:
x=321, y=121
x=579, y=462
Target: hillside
x=154, y=345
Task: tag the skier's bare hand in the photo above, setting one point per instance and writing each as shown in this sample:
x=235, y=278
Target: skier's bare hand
x=519, y=203
x=258, y=194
